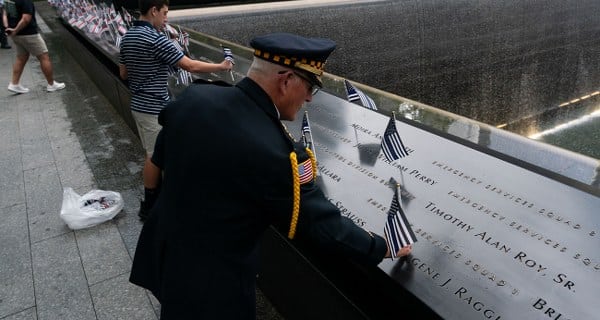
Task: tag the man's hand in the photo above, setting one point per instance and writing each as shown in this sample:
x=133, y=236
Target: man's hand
x=401, y=253
x=404, y=251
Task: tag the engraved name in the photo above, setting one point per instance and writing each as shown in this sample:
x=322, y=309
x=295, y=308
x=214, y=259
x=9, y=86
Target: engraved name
x=448, y=217
x=421, y=177
x=520, y=200
x=482, y=208
x=463, y=294
x=457, y=172
x=428, y=270
x=478, y=206
x=333, y=133
x=332, y=153
x=349, y=214
x=323, y=170
x=362, y=129
x=363, y=170
x=474, y=266
x=548, y=311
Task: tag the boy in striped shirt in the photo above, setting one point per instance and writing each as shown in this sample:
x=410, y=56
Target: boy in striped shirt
x=145, y=57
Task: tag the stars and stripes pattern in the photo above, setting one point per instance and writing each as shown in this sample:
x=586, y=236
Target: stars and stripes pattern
x=97, y=18
x=305, y=171
x=355, y=95
x=398, y=231
x=306, y=132
x=228, y=55
x=391, y=144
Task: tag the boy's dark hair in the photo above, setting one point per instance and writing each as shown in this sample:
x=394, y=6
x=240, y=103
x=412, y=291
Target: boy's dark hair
x=146, y=5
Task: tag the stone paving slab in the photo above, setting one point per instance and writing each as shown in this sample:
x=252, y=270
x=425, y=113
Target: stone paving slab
x=11, y=178
x=61, y=289
x=15, y=275
x=50, y=141
x=103, y=253
x=69, y=138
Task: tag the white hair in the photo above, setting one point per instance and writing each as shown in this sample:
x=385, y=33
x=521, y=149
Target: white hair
x=264, y=67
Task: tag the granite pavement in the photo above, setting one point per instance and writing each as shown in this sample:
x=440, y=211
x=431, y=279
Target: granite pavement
x=50, y=141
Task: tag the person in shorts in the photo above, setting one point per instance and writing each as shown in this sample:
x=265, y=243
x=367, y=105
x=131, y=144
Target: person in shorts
x=21, y=26
x=3, y=38
x=145, y=56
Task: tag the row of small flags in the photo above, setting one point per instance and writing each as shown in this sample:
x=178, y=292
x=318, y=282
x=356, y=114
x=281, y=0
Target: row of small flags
x=398, y=231
x=101, y=18
x=181, y=40
x=95, y=18
x=391, y=144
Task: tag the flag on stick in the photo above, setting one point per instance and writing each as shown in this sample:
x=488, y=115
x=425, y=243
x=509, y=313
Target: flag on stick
x=355, y=94
x=307, y=135
x=229, y=56
x=184, y=41
x=392, y=145
x=397, y=229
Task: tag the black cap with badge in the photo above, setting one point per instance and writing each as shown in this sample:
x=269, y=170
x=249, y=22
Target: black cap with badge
x=305, y=54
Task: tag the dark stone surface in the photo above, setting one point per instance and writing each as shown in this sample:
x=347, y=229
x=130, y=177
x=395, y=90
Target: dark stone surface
x=497, y=239
x=496, y=62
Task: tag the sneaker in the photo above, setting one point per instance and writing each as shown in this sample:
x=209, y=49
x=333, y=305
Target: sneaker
x=55, y=86
x=17, y=88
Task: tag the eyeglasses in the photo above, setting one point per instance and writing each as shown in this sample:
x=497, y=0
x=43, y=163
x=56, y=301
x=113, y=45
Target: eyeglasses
x=312, y=88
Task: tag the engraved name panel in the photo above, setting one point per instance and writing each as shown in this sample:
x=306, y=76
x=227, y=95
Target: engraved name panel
x=495, y=240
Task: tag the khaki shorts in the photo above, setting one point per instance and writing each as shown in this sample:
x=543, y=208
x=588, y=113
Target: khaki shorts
x=33, y=44
x=148, y=128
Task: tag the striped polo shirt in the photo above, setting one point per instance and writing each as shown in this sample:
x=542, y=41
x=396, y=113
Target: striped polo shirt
x=147, y=54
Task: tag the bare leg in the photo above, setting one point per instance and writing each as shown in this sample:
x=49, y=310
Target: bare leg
x=18, y=67
x=46, y=66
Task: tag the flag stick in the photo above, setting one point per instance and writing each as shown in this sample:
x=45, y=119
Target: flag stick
x=312, y=143
x=232, y=62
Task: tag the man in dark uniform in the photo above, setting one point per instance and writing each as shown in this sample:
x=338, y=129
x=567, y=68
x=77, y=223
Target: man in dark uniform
x=230, y=170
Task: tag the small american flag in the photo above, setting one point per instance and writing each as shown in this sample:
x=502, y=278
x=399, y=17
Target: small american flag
x=306, y=133
x=184, y=77
x=398, y=232
x=228, y=55
x=307, y=139
x=305, y=171
x=392, y=145
x=355, y=94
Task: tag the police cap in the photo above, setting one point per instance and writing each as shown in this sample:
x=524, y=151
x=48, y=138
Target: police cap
x=291, y=50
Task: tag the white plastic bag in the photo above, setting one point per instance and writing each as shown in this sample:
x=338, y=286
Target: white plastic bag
x=92, y=208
